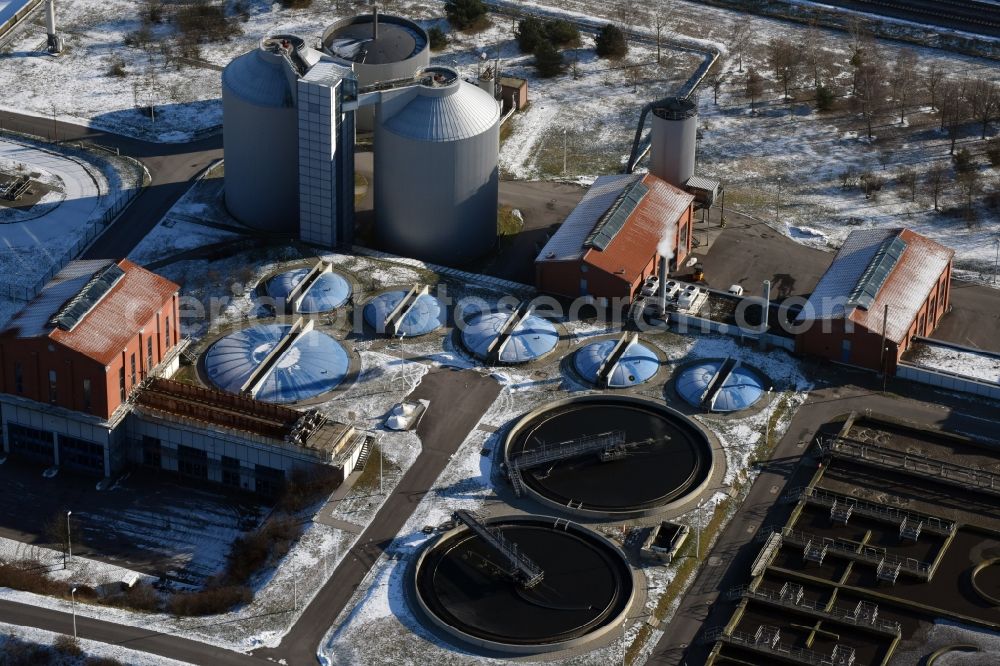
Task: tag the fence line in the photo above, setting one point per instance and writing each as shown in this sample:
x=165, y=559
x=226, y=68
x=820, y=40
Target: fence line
x=91, y=231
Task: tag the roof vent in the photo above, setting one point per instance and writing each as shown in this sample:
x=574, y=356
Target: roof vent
x=77, y=307
x=875, y=275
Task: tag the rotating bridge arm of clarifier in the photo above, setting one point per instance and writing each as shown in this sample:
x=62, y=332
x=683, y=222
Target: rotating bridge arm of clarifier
x=520, y=568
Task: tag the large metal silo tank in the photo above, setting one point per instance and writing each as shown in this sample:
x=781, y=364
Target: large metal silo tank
x=436, y=169
x=673, y=140
x=260, y=137
x=380, y=48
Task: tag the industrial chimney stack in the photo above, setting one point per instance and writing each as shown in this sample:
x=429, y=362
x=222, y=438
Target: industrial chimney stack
x=664, y=272
x=54, y=40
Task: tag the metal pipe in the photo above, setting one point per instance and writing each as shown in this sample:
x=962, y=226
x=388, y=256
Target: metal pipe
x=663, y=284
x=375, y=23
x=50, y=17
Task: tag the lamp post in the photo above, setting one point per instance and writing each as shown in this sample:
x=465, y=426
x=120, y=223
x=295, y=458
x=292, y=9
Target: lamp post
x=69, y=541
x=564, y=152
x=72, y=596
x=767, y=421
x=777, y=205
x=996, y=261
x=697, y=532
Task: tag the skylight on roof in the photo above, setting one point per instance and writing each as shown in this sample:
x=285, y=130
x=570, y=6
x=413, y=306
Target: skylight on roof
x=77, y=307
x=875, y=275
x=614, y=219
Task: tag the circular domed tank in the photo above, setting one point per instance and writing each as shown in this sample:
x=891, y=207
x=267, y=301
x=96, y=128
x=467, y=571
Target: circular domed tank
x=260, y=135
x=378, y=47
x=436, y=169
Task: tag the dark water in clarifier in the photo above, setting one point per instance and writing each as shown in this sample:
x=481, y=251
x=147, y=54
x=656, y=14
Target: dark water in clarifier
x=652, y=474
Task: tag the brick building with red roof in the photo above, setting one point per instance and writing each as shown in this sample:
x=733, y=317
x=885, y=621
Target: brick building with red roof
x=613, y=240
x=83, y=386
x=884, y=284
x=90, y=336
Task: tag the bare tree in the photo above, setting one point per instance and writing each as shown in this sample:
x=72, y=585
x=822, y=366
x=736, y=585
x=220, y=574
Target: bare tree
x=785, y=59
x=715, y=79
x=659, y=14
x=903, y=79
x=984, y=102
x=754, y=86
x=862, y=47
x=817, y=59
x=969, y=183
x=936, y=181
x=932, y=82
x=870, y=93
x=739, y=38
x=953, y=109
x=907, y=179
x=626, y=12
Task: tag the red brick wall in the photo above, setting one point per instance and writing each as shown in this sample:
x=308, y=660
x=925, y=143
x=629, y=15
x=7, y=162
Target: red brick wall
x=865, y=345
x=40, y=355
x=684, y=237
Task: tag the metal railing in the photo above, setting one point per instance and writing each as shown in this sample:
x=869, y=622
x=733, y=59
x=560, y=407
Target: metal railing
x=855, y=551
x=842, y=655
x=939, y=470
x=572, y=448
x=868, y=509
x=861, y=616
x=519, y=567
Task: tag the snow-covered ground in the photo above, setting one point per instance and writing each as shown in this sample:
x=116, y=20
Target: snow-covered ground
x=966, y=363
x=78, y=571
x=34, y=242
x=13, y=636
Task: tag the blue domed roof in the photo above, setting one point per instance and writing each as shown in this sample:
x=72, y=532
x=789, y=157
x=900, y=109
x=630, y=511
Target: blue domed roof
x=693, y=382
x=328, y=292
x=313, y=365
x=637, y=365
x=533, y=338
x=742, y=387
x=426, y=315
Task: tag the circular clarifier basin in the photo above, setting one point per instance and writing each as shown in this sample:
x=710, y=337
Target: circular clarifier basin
x=586, y=591
x=664, y=458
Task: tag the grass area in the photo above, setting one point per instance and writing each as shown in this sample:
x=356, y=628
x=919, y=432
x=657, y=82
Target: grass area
x=582, y=155
x=509, y=224
x=369, y=477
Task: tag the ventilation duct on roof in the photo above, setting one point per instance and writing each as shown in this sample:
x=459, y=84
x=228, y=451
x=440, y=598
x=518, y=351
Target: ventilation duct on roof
x=77, y=307
x=612, y=221
x=875, y=275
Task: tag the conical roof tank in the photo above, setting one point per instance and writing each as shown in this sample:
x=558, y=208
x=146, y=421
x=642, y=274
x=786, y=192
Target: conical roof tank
x=673, y=140
x=436, y=169
x=260, y=133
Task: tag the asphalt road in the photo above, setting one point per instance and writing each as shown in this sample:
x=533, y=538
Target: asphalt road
x=458, y=399
x=164, y=645
x=727, y=565
x=171, y=168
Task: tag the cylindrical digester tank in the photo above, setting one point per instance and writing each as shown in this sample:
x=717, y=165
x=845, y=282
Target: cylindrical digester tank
x=260, y=137
x=436, y=169
x=673, y=139
x=379, y=47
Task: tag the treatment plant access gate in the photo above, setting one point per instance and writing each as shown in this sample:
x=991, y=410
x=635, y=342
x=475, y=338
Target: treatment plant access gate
x=519, y=568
